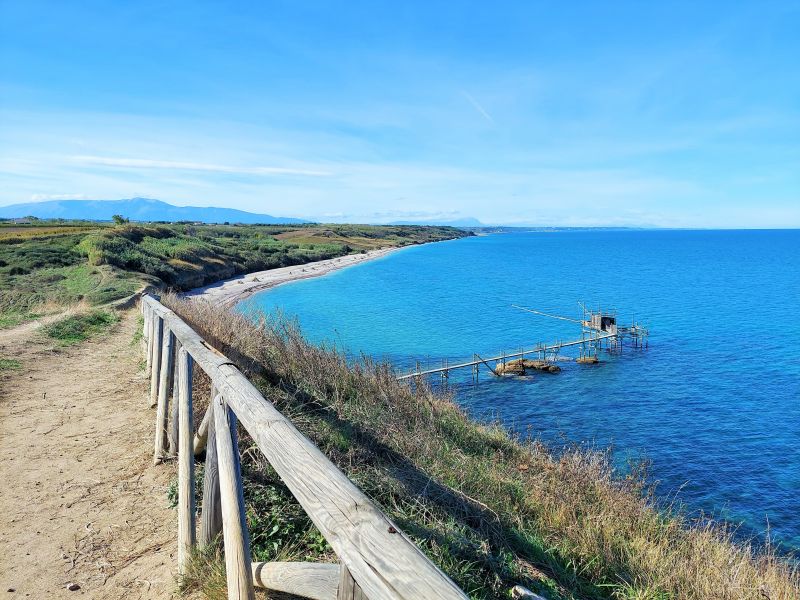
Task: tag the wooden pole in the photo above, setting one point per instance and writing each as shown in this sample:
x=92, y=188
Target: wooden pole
x=348, y=588
x=201, y=436
x=164, y=390
x=155, y=373
x=211, y=519
x=143, y=308
x=186, y=504
x=173, y=424
x=237, y=543
x=148, y=334
x=316, y=581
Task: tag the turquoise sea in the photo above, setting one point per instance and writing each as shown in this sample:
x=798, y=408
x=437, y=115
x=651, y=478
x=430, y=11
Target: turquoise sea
x=713, y=403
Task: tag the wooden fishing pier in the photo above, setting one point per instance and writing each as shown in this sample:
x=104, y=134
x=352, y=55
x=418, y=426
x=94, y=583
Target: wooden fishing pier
x=599, y=329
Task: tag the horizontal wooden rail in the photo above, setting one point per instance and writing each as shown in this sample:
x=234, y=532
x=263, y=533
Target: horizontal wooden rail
x=316, y=581
x=377, y=559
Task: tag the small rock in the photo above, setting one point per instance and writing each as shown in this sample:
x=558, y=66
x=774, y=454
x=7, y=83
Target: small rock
x=11, y=590
x=522, y=593
x=73, y=587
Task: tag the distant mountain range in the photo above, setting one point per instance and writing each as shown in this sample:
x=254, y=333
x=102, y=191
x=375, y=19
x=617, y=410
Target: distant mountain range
x=465, y=222
x=136, y=209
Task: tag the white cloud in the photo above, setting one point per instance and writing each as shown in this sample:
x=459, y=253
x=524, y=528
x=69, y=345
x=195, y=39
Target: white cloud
x=144, y=163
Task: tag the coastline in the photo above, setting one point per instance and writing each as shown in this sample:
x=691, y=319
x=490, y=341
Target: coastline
x=228, y=292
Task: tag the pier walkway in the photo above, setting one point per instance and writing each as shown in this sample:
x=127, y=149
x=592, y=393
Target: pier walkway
x=540, y=350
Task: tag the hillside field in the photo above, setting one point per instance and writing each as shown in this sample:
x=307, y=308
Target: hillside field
x=45, y=266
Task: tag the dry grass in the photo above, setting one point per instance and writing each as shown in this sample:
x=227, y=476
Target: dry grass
x=28, y=232
x=489, y=509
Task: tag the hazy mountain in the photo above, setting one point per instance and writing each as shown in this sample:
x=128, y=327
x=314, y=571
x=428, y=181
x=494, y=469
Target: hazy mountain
x=464, y=222
x=135, y=209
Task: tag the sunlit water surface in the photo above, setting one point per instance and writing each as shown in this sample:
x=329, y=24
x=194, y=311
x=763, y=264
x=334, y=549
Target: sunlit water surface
x=714, y=403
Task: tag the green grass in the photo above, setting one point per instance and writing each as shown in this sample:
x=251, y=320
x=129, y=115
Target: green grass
x=78, y=328
x=12, y=319
x=42, y=274
x=9, y=364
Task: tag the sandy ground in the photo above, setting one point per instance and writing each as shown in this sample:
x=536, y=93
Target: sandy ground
x=81, y=502
x=230, y=291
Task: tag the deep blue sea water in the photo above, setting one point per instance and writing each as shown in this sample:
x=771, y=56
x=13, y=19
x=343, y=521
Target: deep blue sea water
x=714, y=403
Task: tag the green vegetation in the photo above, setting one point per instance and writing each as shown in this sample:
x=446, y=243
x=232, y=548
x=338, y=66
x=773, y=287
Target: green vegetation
x=490, y=509
x=47, y=265
x=77, y=328
x=44, y=270
x=187, y=256
x=9, y=364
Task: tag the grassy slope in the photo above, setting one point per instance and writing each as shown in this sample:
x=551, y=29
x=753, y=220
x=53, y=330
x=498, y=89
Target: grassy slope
x=490, y=510
x=50, y=265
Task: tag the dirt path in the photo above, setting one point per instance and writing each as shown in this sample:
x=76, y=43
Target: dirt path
x=80, y=501
x=11, y=337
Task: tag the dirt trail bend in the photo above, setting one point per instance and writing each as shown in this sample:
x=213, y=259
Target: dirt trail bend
x=80, y=502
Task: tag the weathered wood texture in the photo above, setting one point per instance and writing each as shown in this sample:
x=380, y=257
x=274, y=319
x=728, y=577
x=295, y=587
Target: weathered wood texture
x=348, y=588
x=234, y=531
x=148, y=335
x=380, y=558
x=186, y=504
x=165, y=385
x=201, y=436
x=316, y=581
x=155, y=370
x=143, y=340
x=211, y=518
x=173, y=421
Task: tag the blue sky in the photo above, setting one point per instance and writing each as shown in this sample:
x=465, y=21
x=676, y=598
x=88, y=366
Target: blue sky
x=547, y=113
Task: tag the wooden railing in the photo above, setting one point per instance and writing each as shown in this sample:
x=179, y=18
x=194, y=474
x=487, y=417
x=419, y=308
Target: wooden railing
x=376, y=559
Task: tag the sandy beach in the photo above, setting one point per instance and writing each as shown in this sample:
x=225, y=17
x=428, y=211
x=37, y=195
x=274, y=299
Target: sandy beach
x=230, y=291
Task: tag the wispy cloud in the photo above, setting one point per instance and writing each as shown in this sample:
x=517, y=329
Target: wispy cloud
x=144, y=163
x=477, y=106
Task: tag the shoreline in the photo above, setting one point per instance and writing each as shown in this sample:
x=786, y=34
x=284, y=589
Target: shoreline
x=229, y=292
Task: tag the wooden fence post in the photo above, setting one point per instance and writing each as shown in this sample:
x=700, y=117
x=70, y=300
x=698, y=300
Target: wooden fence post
x=238, y=567
x=143, y=310
x=173, y=424
x=155, y=373
x=166, y=383
x=186, y=504
x=348, y=588
x=147, y=332
x=201, y=435
x=211, y=518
